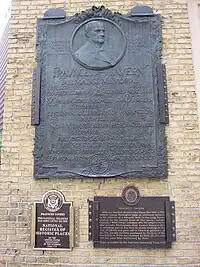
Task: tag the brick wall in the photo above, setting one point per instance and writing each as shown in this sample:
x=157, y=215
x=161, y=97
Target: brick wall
x=19, y=189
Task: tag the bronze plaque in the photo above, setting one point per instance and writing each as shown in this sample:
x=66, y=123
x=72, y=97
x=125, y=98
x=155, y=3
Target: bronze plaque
x=53, y=223
x=148, y=224
x=98, y=85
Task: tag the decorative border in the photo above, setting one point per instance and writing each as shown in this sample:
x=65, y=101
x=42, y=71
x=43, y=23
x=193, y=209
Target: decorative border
x=97, y=12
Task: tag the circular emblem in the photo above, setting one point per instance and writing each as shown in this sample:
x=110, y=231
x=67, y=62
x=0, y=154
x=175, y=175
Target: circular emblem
x=98, y=44
x=53, y=200
x=127, y=97
x=131, y=195
x=99, y=164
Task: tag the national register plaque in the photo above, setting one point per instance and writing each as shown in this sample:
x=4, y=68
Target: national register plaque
x=131, y=221
x=53, y=223
x=96, y=96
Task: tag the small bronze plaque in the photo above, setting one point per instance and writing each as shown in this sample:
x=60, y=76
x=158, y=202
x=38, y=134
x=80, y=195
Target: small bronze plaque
x=53, y=222
x=148, y=224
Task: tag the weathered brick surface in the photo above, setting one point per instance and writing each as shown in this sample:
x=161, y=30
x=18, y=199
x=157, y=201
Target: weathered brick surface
x=19, y=189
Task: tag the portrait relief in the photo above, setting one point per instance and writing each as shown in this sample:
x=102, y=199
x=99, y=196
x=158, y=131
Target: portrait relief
x=98, y=44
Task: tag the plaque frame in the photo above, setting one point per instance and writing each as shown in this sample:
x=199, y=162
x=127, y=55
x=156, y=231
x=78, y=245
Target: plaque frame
x=71, y=227
x=35, y=110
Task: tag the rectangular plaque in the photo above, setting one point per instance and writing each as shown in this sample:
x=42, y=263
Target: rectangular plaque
x=145, y=225
x=53, y=230
x=99, y=108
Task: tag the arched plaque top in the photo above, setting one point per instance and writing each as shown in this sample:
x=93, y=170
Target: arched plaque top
x=55, y=13
x=141, y=9
x=98, y=44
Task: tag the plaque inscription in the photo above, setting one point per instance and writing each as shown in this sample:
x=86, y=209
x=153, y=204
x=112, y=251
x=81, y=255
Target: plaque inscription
x=146, y=224
x=53, y=223
x=99, y=110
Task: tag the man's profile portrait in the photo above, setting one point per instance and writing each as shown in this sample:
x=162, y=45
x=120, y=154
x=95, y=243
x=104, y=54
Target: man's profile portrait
x=93, y=53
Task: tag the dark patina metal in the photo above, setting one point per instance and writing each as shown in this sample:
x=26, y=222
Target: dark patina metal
x=90, y=220
x=141, y=10
x=162, y=93
x=100, y=100
x=170, y=221
x=148, y=224
x=35, y=112
x=55, y=13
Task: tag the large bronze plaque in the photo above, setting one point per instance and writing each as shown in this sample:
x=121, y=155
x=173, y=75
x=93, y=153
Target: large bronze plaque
x=148, y=224
x=99, y=105
x=53, y=223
